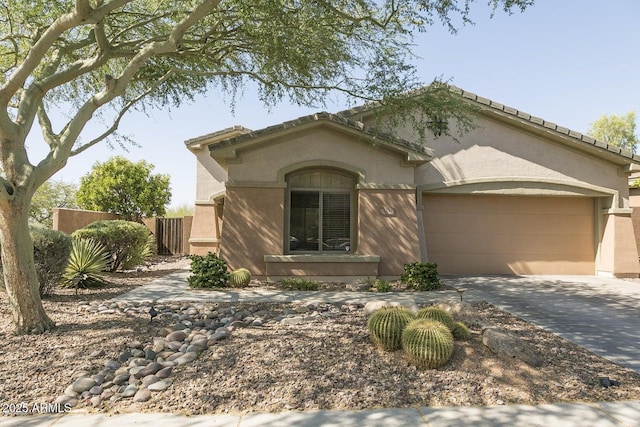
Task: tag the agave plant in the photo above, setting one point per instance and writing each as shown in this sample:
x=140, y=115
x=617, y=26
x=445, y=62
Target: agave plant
x=87, y=261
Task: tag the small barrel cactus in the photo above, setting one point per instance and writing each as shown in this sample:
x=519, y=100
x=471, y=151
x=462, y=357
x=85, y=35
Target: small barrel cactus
x=427, y=343
x=239, y=278
x=386, y=325
x=436, y=313
x=460, y=331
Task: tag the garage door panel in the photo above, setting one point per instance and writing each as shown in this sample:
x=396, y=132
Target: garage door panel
x=472, y=234
x=514, y=223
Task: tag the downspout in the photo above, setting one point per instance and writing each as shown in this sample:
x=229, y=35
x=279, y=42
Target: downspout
x=420, y=218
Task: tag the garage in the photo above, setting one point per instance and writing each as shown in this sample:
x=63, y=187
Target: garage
x=498, y=234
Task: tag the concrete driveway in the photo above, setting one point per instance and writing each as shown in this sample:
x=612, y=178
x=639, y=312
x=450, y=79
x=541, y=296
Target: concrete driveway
x=600, y=314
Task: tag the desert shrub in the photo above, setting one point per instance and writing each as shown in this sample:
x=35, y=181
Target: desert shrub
x=421, y=276
x=386, y=326
x=88, y=259
x=427, y=343
x=240, y=278
x=51, y=249
x=141, y=253
x=124, y=241
x=380, y=285
x=438, y=314
x=298, y=284
x=460, y=331
x=208, y=271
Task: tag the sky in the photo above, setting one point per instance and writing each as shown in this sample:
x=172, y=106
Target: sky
x=566, y=61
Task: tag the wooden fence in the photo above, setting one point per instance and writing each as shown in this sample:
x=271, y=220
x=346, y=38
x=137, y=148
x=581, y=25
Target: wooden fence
x=170, y=236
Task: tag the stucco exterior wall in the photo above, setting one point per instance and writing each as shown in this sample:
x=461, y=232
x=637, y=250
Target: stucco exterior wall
x=388, y=227
x=205, y=228
x=253, y=227
x=210, y=176
x=495, y=152
x=70, y=220
x=378, y=165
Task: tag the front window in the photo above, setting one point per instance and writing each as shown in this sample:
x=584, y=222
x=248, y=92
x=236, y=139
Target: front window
x=320, y=212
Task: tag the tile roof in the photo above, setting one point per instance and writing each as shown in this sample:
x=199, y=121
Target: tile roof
x=526, y=117
x=316, y=118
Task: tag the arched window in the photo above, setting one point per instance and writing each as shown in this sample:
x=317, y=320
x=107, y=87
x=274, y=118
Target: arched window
x=320, y=211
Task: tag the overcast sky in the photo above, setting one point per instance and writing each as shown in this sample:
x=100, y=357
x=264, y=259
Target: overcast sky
x=567, y=61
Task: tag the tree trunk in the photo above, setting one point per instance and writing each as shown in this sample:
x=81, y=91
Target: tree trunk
x=20, y=278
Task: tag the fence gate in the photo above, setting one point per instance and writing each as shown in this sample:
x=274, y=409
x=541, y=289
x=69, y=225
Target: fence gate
x=169, y=236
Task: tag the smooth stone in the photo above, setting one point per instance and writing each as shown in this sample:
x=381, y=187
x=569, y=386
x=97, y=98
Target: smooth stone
x=150, y=354
x=176, y=336
x=219, y=336
x=292, y=320
x=174, y=345
x=135, y=344
x=164, y=372
x=138, y=361
x=95, y=390
x=130, y=390
x=149, y=379
x=137, y=352
x=96, y=400
x=159, y=386
x=120, y=379
x=135, y=370
x=187, y=357
x=142, y=395
x=66, y=400
x=107, y=394
x=372, y=306
x=98, y=378
x=83, y=384
x=198, y=348
x=124, y=356
x=69, y=391
x=111, y=365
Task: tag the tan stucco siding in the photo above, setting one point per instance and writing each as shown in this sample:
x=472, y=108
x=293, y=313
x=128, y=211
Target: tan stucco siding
x=321, y=147
x=253, y=227
x=494, y=152
x=205, y=229
x=388, y=227
x=479, y=234
x=210, y=176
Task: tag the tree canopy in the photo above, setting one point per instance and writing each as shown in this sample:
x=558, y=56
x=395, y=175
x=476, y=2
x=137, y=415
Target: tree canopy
x=618, y=130
x=125, y=188
x=76, y=67
x=51, y=194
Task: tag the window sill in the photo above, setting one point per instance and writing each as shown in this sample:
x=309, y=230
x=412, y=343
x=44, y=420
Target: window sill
x=314, y=258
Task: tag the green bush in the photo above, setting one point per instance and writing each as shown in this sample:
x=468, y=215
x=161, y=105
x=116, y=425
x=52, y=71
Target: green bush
x=421, y=277
x=125, y=241
x=208, y=271
x=88, y=259
x=298, y=284
x=51, y=249
x=386, y=326
x=380, y=285
x=427, y=343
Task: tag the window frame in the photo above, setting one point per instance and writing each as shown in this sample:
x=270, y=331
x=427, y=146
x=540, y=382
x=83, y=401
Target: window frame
x=320, y=191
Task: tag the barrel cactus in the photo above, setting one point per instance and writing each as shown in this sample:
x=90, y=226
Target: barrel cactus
x=460, y=331
x=240, y=278
x=386, y=325
x=436, y=313
x=427, y=343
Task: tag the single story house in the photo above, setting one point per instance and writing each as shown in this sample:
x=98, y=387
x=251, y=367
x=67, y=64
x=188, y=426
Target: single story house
x=325, y=195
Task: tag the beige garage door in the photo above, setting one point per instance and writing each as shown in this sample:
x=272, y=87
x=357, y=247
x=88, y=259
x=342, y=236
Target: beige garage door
x=477, y=234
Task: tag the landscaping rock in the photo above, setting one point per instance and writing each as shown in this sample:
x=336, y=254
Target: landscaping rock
x=159, y=386
x=83, y=384
x=372, y=306
x=142, y=395
x=506, y=344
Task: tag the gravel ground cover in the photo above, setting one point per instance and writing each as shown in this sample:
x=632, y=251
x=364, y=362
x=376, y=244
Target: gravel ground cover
x=283, y=357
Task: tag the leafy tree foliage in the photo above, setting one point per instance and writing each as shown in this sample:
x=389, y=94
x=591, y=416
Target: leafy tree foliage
x=51, y=194
x=76, y=67
x=616, y=130
x=122, y=187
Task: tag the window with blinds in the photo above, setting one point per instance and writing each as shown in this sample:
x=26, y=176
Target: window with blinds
x=320, y=211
